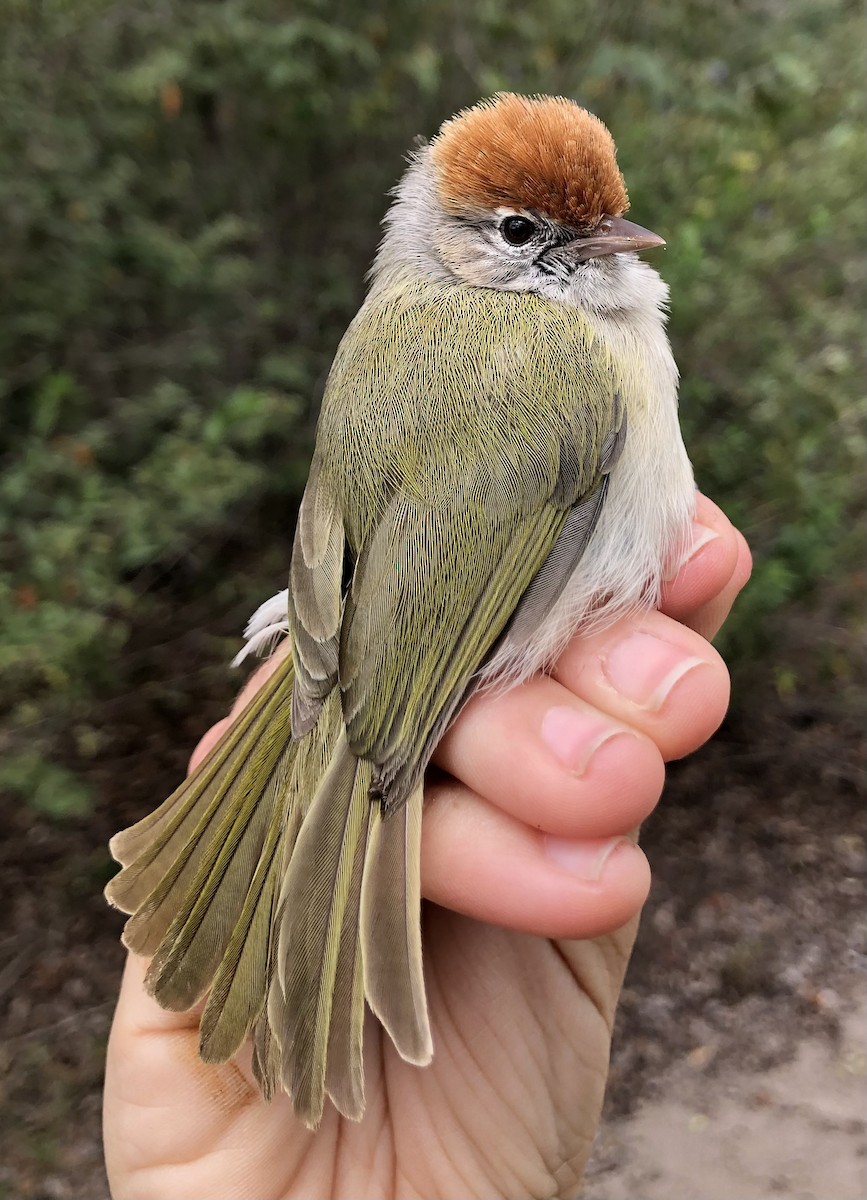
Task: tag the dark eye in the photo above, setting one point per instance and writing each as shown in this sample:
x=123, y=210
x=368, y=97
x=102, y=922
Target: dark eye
x=517, y=230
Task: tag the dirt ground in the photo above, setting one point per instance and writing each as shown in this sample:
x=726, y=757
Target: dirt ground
x=739, y=1068
x=796, y=1130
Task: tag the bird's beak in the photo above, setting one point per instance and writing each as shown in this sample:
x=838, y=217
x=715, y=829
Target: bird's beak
x=613, y=235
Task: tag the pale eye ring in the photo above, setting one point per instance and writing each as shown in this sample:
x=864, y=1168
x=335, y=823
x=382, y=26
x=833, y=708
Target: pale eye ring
x=517, y=231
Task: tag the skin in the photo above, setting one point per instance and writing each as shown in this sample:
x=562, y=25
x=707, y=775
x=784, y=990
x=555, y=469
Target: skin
x=524, y=953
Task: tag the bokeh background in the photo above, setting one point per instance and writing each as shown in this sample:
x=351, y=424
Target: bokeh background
x=189, y=198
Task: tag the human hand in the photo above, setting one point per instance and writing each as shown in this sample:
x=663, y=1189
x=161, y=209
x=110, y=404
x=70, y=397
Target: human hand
x=535, y=887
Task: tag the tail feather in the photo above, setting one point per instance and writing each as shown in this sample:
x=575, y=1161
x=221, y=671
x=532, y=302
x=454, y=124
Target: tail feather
x=139, y=841
x=314, y=903
x=220, y=854
x=162, y=856
x=344, y=1069
x=289, y=962
x=391, y=929
x=186, y=959
x=267, y=1064
x=239, y=987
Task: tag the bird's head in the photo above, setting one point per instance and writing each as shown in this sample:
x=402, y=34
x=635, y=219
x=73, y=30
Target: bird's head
x=520, y=194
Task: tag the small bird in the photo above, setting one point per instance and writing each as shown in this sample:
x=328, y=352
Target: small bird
x=498, y=466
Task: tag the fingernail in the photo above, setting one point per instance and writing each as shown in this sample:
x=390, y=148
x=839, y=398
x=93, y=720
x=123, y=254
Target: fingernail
x=644, y=669
x=573, y=737
x=701, y=535
x=585, y=859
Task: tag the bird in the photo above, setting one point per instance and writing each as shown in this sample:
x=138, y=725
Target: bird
x=498, y=467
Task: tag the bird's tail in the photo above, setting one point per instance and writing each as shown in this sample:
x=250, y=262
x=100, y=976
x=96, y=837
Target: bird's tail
x=272, y=883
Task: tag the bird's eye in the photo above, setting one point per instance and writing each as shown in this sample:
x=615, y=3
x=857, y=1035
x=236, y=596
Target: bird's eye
x=517, y=230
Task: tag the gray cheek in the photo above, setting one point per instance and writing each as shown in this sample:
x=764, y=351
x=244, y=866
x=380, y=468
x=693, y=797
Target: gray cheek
x=511, y=274
x=479, y=264
x=518, y=277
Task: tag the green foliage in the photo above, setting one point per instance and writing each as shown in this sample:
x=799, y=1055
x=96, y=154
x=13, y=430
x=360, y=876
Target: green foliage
x=189, y=195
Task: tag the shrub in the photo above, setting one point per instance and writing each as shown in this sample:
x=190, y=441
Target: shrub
x=189, y=196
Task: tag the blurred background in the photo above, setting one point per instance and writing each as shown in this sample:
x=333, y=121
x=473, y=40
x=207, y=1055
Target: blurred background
x=189, y=198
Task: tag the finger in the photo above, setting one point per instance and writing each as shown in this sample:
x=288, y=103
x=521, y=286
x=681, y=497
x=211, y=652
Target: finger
x=246, y=694
x=208, y=741
x=138, y=1014
x=654, y=674
x=554, y=762
x=716, y=567
x=709, y=619
x=165, y=1046
x=264, y=671
x=167, y=1113
x=478, y=860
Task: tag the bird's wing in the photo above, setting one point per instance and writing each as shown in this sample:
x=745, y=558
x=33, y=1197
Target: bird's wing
x=411, y=642
x=551, y=579
x=315, y=599
x=480, y=485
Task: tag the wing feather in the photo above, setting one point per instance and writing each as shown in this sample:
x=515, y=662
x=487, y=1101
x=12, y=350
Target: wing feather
x=315, y=599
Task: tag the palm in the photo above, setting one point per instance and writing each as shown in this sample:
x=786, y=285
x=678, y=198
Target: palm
x=508, y=1107
x=521, y=1029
